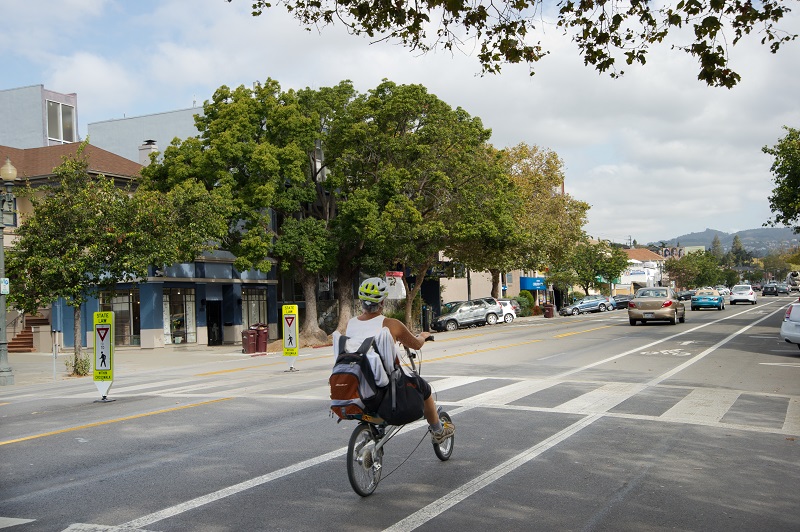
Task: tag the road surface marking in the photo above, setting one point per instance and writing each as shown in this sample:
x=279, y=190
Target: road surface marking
x=110, y=421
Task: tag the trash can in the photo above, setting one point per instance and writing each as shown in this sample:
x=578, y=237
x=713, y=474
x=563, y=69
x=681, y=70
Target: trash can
x=262, y=338
x=249, y=342
x=548, y=310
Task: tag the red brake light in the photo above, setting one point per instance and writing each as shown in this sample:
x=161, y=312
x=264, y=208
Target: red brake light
x=667, y=303
x=788, y=312
x=631, y=304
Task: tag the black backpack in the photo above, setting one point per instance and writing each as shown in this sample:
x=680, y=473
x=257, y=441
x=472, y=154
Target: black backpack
x=353, y=388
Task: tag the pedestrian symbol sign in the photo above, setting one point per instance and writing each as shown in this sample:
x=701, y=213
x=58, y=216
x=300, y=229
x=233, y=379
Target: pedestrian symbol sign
x=103, y=351
x=290, y=333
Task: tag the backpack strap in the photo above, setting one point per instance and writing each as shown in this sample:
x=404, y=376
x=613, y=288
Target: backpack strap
x=365, y=345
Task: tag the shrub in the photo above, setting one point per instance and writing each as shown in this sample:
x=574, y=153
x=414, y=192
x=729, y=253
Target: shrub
x=80, y=367
x=526, y=303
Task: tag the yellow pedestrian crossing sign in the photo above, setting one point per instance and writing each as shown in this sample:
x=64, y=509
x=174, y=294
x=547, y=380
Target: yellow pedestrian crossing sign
x=290, y=334
x=103, y=351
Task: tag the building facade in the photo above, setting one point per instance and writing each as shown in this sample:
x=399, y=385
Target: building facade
x=207, y=302
x=34, y=117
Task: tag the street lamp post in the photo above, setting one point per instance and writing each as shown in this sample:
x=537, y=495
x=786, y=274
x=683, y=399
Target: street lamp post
x=8, y=173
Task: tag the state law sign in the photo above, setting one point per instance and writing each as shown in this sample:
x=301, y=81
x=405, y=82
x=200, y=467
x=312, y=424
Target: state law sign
x=103, y=351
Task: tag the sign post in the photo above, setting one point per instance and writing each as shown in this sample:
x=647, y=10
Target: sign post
x=103, y=353
x=290, y=334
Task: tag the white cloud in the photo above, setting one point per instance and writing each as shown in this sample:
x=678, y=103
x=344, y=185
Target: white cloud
x=657, y=131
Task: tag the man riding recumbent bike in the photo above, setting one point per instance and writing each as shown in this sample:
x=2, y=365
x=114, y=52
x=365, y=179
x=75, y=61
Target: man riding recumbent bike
x=370, y=385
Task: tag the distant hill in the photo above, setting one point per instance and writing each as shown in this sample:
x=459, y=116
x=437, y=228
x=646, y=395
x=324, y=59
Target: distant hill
x=758, y=241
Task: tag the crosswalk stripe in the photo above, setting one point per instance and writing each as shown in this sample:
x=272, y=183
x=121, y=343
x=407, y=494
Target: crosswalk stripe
x=792, y=422
x=602, y=399
x=703, y=404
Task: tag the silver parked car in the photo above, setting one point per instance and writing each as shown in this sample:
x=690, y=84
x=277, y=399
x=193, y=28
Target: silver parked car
x=657, y=303
x=790, y=328
x=468, y=313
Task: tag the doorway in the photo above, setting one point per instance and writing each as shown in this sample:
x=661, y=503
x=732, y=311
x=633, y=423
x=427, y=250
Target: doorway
x=214, y=322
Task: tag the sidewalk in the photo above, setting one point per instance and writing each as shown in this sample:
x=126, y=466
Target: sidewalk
x=37, y=368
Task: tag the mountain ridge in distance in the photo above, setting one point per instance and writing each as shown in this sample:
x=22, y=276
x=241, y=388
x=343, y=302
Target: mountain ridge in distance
x=761, y=240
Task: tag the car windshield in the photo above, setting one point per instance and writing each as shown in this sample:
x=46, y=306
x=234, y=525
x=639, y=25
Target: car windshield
x=705, y=293
x=447, y=308
x=741, y=288
x=652, y=293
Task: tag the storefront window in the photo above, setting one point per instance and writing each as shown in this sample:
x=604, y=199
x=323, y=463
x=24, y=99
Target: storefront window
x=180, y=325
x=125, y=306
x=254, y=306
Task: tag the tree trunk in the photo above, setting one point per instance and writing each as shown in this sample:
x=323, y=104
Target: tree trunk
x=345, y=276
x=495, y=283
x=76, y=330
x=310, y=333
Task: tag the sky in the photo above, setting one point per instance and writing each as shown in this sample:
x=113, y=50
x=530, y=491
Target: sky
x=657, y=153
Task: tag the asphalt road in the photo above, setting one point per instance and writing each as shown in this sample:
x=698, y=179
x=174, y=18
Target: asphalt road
x=575, y=423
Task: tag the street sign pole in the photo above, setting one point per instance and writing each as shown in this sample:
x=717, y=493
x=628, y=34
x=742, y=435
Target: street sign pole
x=103, y=353
x=290, y=334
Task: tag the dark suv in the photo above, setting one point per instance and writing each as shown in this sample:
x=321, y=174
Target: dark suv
x=769, y=289
x=474, y=312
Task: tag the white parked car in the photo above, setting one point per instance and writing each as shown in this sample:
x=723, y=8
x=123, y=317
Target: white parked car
x=790, y=328
x=743, y=293
x=509, y=314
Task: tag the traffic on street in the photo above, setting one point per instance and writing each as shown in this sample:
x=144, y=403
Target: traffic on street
x=570, y=423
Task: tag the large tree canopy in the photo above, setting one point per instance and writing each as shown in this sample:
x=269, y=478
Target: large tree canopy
x=785, y=199
x=605, y=31
x=86, y=234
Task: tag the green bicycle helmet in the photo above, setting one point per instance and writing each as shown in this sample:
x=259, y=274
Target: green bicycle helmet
x=373, y=290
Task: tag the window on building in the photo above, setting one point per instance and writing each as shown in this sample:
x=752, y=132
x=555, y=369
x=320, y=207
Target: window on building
x=60, y=123
x=180, y=324
x=124, y=303
x=254, y=306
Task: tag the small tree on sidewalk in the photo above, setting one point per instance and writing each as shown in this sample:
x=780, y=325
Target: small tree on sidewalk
x=86, y=234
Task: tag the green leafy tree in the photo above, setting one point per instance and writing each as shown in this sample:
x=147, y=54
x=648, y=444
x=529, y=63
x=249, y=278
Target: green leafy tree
x=729, y=277
x=263, y=143
x=696, y=269
x=738, y=255
x=785, y=199
x=595, y=264
x=775, y=266
x=606, y=32
x=403, y=162
x=716, y=248
x=86, y=234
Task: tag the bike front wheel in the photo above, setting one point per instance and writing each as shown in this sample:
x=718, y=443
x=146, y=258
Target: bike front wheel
x=363, y=463
x=445, y=449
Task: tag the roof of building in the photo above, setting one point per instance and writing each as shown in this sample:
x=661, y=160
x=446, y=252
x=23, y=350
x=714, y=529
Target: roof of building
x=33, y=163
x=643, y=254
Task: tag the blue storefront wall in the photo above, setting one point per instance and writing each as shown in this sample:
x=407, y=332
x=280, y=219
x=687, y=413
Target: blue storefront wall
x=212, y=281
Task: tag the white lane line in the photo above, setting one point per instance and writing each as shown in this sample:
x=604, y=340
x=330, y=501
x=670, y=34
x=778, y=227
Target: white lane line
x=248, y=484
x=6, y=522
x=232, y=490
x=476, y=484
x=427, y=513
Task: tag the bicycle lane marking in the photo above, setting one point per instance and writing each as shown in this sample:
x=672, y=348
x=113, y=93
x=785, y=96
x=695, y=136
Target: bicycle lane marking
x=494, y=474
x=248, y=484
x=424, y=515
x=439, y=506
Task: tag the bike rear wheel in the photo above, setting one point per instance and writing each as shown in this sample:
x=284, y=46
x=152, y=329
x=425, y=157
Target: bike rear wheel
x=363, y=465
x=445, y=449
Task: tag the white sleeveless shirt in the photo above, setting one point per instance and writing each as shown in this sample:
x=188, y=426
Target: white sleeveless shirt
x=359, y=330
